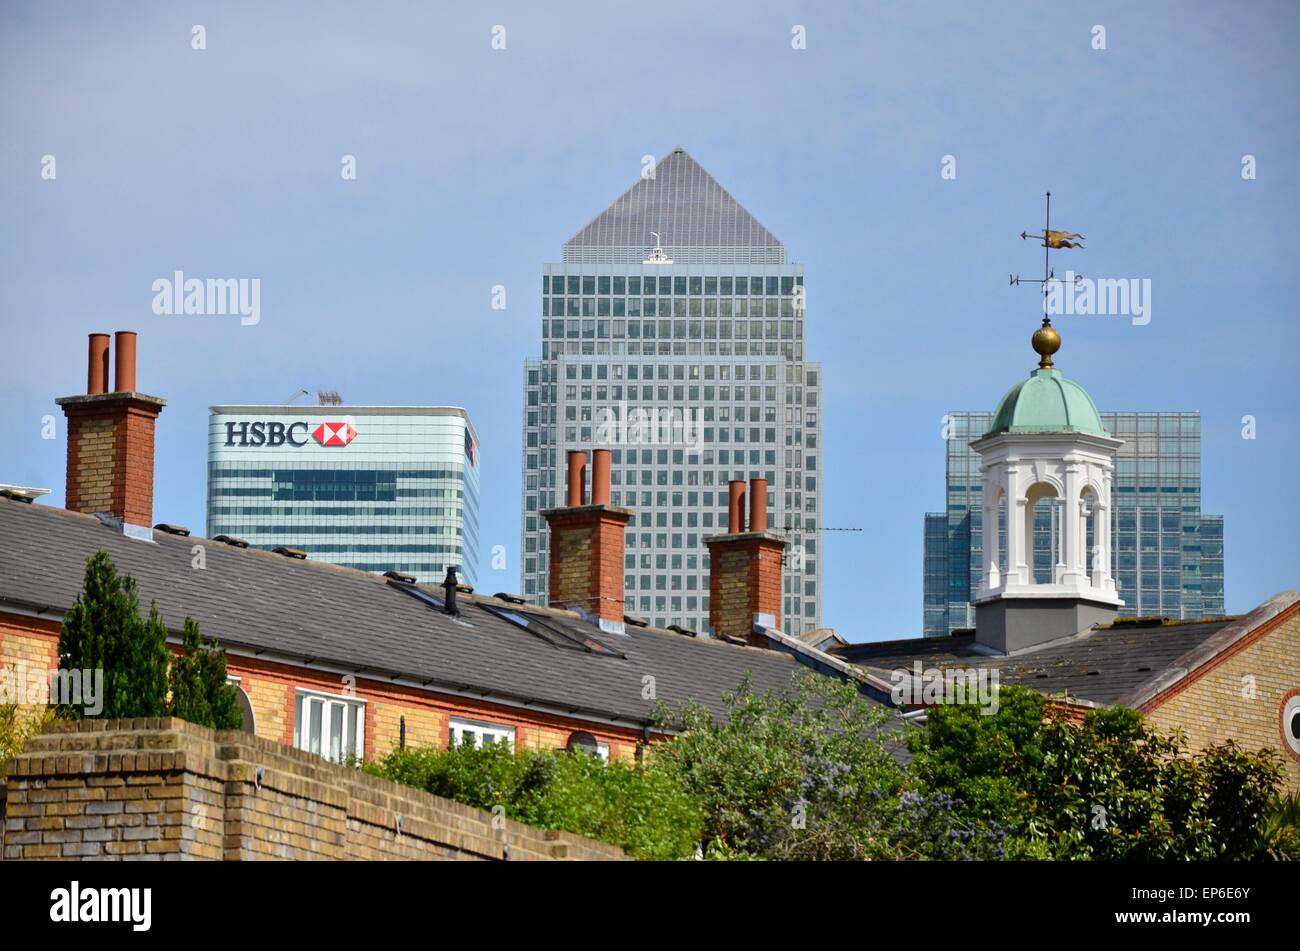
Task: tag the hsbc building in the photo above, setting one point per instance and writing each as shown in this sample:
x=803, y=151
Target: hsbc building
x=380, y=488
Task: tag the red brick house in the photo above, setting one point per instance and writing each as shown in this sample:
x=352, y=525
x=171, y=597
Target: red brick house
x=338, y=661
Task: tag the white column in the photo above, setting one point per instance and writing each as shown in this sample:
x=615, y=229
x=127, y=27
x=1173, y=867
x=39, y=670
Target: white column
x=1102, y=577
x=989, y=490
x=1073, y=529
x=1083, y=540
x=1016, y=528
x=992, y=575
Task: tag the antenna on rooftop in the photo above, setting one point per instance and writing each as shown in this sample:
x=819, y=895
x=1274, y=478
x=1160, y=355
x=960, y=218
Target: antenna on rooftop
x=295, y=396
x=329, y=398
x=657, y=253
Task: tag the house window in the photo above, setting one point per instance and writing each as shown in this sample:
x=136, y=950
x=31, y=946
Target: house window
x=248, y=722
x=330, y=726
x=479, y=734
x=1291, y=722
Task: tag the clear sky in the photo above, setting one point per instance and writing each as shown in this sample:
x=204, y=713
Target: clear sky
x=475, y=164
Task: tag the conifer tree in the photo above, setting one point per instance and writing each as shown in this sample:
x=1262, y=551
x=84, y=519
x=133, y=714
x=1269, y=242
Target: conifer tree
x=199, y=690
x=104, y=631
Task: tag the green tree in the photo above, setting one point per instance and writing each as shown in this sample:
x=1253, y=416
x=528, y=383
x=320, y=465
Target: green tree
x=200, y=692
x=1107, y=788
x=103, y=630
x=806, y=773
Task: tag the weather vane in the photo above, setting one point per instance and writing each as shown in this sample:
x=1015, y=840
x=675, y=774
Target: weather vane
x=1046, y=340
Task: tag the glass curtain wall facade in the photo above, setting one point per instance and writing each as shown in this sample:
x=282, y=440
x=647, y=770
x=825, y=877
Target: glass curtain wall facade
x=375, y=488
x=688, y=363
x=1168, y=556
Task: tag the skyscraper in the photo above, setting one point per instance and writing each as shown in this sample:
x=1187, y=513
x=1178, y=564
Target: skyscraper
x=1167, y=555
x=673, y=334
x=378, y=488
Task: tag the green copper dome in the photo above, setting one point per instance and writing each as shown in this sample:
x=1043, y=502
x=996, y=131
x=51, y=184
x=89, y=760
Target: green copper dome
x=1047, y=403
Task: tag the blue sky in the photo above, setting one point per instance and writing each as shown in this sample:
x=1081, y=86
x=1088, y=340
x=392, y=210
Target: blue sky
x=475, y=165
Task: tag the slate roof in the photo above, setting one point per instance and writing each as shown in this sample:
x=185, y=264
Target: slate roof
x=687, y=207
x=1101, y=666
x=352, y=622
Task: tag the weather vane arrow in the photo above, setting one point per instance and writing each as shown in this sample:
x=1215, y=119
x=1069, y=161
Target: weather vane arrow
x=1050, y=241
x=1046, y=341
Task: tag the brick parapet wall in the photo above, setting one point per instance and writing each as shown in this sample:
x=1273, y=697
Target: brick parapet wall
x=161, y=788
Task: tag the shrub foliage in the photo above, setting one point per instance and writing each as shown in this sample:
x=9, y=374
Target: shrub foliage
x=1107, y=788
x=636, y=808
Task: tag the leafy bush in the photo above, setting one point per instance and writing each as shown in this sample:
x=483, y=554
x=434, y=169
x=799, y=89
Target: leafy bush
x=639, y=809
x=15, y=728
x=804, y=774
x=1108, y=788
x=1279, y=835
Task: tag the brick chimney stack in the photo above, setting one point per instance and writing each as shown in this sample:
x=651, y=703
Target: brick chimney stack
x=745, y=568
x=111, y=440
x=586, y=563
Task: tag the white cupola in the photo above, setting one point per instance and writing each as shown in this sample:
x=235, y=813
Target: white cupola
x=1046, y=449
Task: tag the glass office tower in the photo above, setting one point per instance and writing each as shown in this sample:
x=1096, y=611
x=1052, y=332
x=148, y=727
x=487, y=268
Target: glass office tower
x=673, y=334
x=380, y=488
x=1168, y=557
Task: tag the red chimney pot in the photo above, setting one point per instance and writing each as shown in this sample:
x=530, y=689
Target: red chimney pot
x=111, y=439
x=735, y=506
x=97, y=365
x=124, y=371
x=758, y=505
x=600, y=477
x=577, y=476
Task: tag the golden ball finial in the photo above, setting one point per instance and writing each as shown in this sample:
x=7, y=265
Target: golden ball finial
x=1046, y=341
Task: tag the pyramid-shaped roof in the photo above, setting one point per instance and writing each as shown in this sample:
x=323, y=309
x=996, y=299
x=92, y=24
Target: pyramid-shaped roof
x=697, y=220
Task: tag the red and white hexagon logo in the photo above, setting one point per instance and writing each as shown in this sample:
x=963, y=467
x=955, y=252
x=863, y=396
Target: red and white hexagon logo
x=334, y=434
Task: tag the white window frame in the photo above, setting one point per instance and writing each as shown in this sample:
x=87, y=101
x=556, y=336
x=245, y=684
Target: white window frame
x=480, y=730
x=602, y=750
x=352, y=714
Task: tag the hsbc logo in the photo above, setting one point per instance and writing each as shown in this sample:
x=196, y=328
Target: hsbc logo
x=262, y=433
x=334, y=434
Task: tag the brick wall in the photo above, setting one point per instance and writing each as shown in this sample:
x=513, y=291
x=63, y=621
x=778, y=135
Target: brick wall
x=271, y=687
x=27, y=646
x=1241, y=695
x=90, y=464
x=744, y=580
x=111, y=454
x=586, y=567
x=272, y=690
x=162, y=788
